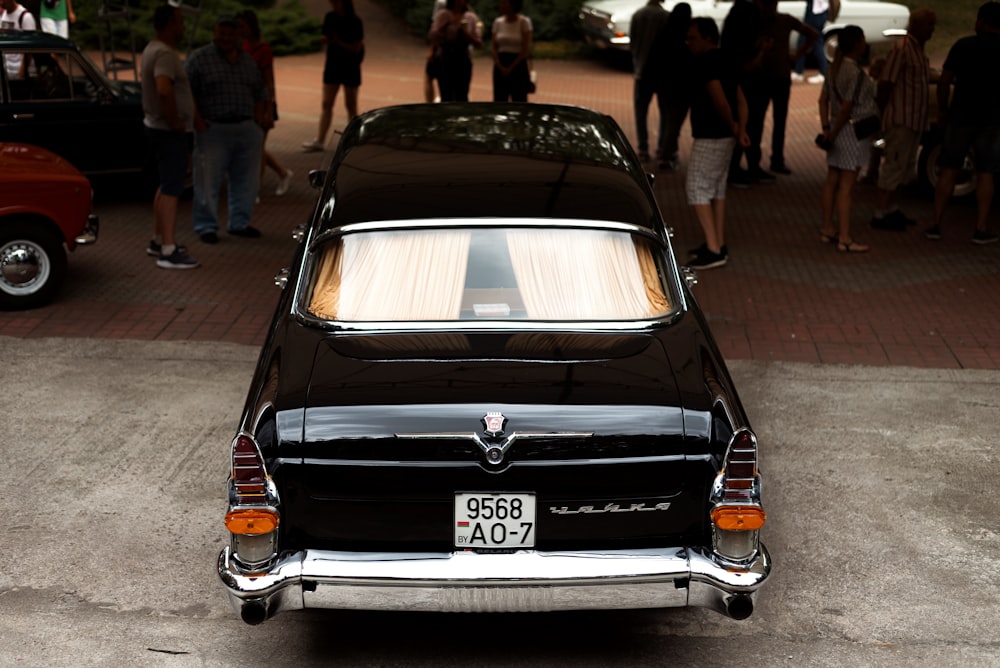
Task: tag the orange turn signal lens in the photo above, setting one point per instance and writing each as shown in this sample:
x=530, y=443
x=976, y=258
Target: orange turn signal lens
x=252, y=521
x=738, y=518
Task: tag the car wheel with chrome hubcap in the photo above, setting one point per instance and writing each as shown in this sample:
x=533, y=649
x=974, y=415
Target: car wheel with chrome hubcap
x=32, y=265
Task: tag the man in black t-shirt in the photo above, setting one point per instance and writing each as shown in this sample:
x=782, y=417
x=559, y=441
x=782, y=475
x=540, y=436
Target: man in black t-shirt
x=718, y=121
x=971, y=120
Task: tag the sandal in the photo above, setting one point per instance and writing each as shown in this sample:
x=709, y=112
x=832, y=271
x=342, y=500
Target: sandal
x=852, y=247
x=825, y=238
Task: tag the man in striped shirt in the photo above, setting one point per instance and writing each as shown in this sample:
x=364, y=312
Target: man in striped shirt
x=903, y=90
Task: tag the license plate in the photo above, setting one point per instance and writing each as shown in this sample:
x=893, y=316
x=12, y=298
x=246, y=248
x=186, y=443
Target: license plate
x=494, y=520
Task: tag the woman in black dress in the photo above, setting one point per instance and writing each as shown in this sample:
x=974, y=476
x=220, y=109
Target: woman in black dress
x=455, y=31
x=344, y=36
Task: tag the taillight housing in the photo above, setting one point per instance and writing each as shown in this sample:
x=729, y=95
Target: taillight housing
x=253, y=517
x=736, y=513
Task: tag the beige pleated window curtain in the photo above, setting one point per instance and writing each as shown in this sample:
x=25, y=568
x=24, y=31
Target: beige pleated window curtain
x=420, y=275
x=393, y=276
x=585, y=275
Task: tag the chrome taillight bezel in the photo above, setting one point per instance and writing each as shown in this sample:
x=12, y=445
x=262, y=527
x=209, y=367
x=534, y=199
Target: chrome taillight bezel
x=737, y=485
x=250, y=487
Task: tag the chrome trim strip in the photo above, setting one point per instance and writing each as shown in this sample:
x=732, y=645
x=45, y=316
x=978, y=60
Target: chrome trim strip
x=503, y=223
x=503, y=445
x=461, y=326
x=471, y=582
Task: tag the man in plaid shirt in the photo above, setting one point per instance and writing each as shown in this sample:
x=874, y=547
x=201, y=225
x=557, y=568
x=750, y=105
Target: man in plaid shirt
x=903, y=90
x=232, y=105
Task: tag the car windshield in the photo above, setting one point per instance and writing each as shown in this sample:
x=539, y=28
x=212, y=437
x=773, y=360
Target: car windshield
x=480, y=274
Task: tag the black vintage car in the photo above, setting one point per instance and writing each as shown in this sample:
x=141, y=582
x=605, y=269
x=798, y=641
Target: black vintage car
x=53, y=96
x=487, y=387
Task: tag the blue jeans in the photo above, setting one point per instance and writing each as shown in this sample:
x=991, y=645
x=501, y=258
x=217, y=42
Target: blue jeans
x=226, y=150
x=816, y=21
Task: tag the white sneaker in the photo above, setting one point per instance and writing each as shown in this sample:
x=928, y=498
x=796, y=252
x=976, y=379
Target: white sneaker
x=797, y=78
x=284, y=183
x=816, y=79
x=312, y=146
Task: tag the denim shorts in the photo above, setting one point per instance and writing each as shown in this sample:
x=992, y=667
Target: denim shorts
x=984, y=142
x=171, y=150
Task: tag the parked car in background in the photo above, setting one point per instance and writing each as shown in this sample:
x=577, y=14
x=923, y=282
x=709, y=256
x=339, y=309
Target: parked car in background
x=605, y=23
x=45, y=210
x=65, y=104
x=487, y=387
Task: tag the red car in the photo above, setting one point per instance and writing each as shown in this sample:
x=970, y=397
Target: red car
x=45, y=209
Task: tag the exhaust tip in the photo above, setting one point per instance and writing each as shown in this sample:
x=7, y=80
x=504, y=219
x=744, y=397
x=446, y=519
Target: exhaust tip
x=253, y=613
x=739, y=607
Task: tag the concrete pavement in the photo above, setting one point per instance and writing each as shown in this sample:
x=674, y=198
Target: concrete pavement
x=879, y=488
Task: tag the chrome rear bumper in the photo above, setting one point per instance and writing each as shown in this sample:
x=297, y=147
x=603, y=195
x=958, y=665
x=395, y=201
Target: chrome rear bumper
x=519, y=582
x=90, y=231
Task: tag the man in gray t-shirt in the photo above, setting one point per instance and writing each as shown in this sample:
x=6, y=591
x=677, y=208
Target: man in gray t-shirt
x=169, y=119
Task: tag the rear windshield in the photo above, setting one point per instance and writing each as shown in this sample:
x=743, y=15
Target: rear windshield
x=458, y=274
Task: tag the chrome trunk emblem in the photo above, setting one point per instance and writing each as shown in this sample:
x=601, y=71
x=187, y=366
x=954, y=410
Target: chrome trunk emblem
x=494, y=423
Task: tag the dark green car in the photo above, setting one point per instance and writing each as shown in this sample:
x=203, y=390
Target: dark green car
x=53, y=96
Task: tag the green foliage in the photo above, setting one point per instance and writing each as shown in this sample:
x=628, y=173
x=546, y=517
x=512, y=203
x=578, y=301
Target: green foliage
x=288, y=27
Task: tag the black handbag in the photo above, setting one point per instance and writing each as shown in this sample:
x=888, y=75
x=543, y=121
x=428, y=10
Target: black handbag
x=869, y=125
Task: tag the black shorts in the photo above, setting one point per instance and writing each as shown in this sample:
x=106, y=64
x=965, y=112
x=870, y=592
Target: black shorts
x=171, y=149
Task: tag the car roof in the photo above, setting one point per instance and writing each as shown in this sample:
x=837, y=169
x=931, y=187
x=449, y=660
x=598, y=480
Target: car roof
x=474, y=160
x=33, y=39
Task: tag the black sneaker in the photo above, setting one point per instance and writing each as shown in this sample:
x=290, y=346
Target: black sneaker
x=177, y=260
x=761, y=176
x=983, y=237
x=153, y=249
x=708, y=260
x=898, y=215
x=247, y=232
x=933, y=233
x=739, y=178
x=890, y=222
x=209, y=237
x=779, y=168
x=695, y=252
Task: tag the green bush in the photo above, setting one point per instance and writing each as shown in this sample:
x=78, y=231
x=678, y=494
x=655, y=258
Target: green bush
x=288, y=28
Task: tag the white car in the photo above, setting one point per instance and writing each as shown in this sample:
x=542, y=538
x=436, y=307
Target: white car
x=605, y=23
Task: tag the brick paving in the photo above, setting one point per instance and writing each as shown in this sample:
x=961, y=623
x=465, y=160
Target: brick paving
x=783, y=297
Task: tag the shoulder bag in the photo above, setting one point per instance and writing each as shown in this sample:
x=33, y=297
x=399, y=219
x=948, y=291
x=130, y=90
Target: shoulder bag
x=865, y=127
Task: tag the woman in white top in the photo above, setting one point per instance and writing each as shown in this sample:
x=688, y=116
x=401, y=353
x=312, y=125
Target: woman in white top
x=511, y=50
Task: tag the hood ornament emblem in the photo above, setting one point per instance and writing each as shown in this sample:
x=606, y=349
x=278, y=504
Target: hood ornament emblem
x=493, y=423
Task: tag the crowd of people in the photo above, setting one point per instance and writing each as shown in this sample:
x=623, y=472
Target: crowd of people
x=222, y=100
x=739, y=72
